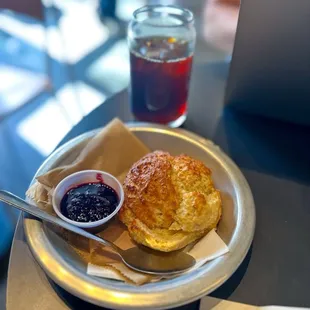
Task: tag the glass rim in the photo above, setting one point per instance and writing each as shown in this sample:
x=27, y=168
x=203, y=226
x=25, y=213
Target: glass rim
x=189, y=16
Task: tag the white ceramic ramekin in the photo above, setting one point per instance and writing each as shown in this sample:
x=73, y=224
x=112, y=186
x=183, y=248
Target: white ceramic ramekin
x=81, y=177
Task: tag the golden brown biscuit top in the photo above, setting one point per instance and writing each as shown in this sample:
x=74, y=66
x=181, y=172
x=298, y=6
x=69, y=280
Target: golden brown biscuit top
x=149, y=191
x=169, y=193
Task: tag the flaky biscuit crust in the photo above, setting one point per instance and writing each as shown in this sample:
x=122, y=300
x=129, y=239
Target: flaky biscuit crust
x=170, y=201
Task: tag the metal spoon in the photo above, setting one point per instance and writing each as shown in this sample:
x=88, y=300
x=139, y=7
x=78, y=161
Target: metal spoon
x=138, y=258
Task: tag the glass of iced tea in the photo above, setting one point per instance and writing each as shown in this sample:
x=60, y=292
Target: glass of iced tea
x=161, y=40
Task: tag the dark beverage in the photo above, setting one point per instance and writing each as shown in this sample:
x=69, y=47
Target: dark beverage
x=160, y=74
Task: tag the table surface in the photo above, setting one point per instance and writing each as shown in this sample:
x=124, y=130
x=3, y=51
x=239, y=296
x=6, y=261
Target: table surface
x=274, y=158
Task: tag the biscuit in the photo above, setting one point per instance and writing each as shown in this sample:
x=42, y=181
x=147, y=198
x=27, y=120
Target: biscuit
x=170, y=201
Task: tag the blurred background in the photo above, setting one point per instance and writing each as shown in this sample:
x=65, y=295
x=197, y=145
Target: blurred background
x=59, y=60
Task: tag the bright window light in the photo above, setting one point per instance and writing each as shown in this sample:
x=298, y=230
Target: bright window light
x=125, y=8
x=46, y=126
x=79, y=32
x=18, y=86
x=32, y=33
x=111, y=70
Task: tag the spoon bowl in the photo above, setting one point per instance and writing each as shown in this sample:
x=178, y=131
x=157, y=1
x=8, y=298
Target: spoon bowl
x=141, y=258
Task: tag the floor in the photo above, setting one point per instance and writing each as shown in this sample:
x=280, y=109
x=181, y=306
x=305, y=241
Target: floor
x=52, y=77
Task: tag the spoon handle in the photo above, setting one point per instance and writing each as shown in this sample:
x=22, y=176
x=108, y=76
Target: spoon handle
x=21, y=204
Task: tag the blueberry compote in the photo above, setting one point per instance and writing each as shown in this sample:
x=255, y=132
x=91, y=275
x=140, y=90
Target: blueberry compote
x=89, y=202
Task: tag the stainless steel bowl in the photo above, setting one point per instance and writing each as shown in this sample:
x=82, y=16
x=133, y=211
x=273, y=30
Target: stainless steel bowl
x=236, y=228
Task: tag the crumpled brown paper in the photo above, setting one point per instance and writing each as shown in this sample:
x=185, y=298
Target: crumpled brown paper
x=114, y=149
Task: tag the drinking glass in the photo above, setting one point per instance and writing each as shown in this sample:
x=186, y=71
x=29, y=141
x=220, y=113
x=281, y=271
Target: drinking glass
x=161, y=40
